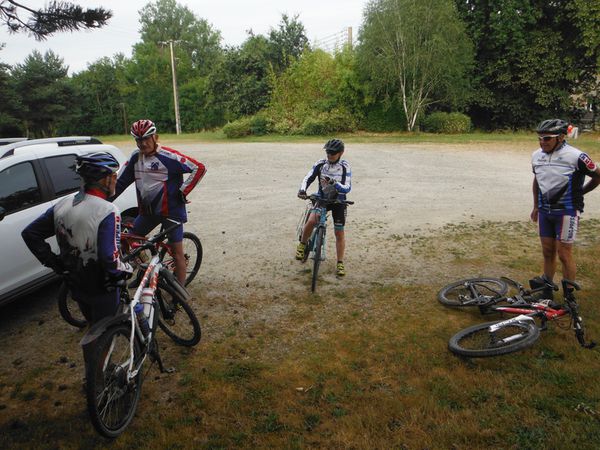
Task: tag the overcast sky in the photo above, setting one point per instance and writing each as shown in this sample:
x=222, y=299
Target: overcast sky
x=321, y=19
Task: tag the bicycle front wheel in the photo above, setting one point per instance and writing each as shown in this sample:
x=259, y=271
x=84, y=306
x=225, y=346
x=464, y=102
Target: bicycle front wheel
x=111, y=398
x=317, y=257
x=176, y=317
x=460, y=293
x=69, y=308
x=478, y=341
x=192, y=251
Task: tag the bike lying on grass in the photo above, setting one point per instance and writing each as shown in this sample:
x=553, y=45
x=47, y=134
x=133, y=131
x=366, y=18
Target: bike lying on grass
x=316, y=243
x=511, y=335
x=116, y=348
x=192, y=248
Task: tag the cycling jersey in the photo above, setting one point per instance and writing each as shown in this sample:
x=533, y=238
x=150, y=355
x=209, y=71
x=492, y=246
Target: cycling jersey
x=323, y=169
x=159, y=181
x=560, y=176
x=88, y=230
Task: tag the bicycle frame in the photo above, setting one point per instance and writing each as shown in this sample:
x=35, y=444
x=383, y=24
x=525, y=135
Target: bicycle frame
x=149, y=279
x=321, y=212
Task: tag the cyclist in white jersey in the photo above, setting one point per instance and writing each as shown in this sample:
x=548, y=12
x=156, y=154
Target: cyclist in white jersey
x=335, y=181
x=558, y=189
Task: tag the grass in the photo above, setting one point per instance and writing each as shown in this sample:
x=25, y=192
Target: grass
x=369, y=370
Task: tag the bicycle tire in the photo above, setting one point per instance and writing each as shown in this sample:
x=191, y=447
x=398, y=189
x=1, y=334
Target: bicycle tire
x=192, y=249
x=182, y=327
x=477, y=341
x=317, y=258
x=450, y=295
x=111, y=400
x=69, y=308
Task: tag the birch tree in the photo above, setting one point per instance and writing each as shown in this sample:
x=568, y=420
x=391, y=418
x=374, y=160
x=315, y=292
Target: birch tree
x=416, y=51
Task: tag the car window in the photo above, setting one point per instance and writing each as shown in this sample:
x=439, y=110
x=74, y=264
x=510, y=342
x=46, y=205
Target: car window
x=62, y=173
x=19, y=188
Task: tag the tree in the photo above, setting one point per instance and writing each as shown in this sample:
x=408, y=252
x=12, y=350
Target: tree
x=197, y=49
x=101, y=107
x=41, y=82
x=10, y=106
x=532, y=57
x=415, y=51
x=288, y=41
x=55, y=17
x=197, y=41
x=239, y=85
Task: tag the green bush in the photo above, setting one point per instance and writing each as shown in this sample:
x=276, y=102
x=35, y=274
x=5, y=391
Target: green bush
x=384, y=118
x=238, y=128
x=328, y=122
x=443, y=122
x=260, y=125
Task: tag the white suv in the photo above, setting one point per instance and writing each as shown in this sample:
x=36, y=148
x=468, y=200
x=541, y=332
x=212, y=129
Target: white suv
x=34, y=175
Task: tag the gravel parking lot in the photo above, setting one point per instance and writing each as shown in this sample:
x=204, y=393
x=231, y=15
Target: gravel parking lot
x=245, y=210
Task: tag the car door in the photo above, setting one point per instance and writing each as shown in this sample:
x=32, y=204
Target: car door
x=22, y=198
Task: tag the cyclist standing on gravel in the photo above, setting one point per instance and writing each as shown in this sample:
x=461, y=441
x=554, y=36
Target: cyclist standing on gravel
x=161, y=190
x=88, y=231
x=558, y=189
x=335, y=181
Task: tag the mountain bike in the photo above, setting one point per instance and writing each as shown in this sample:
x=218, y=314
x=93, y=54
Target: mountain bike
x=116, y=348
x=487, y=291
x=192, y=248
x=520, y=332
x=315, y=248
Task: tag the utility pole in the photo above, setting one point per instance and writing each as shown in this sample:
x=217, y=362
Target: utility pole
x=175, y=95
x=350, y=37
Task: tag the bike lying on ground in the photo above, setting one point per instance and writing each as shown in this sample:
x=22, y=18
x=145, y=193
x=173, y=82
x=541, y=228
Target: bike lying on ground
x=192, y=248
x=514, y=334
x=116, y=348
x=315, y=247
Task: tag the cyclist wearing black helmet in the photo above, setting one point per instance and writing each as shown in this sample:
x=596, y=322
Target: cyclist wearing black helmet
x=335, y=181
x=558, y=189
x=88, y=230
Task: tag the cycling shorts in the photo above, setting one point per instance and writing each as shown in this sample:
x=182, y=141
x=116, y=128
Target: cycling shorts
x=560, y=226
x=96, y=306
x=145, y=224
x=338, y=213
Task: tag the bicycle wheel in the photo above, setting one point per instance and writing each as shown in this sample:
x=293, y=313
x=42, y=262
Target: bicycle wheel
x=192, y=250
x=479, y=341
x=176, y=317
x=111, y=399
x=69, y=308
x=459, y=293
x=317, y=257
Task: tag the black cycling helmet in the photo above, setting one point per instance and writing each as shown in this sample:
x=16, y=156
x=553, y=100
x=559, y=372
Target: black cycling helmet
x=95, y=166
x=333, y=146
x=552, y=126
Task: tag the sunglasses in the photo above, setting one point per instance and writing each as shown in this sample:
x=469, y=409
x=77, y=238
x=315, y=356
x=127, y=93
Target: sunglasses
x=548, y=137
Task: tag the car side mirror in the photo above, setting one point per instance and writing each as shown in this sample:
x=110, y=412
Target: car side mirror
x=2, y=213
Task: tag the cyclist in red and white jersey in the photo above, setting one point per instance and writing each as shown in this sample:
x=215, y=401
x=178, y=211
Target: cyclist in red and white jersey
x=558, y=189
x=158, y=172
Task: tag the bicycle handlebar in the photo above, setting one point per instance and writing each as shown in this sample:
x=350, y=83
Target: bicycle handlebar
x=316, y=198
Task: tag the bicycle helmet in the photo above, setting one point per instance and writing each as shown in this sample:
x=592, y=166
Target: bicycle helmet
x=95, y=166
x=553, y=126
x=334, y=146
x=143, y=128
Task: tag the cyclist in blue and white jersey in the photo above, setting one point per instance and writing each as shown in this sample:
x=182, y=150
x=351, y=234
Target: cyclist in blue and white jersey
x=88, y=231
x=158, y=173
x=335, y=181
x=558, y=189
